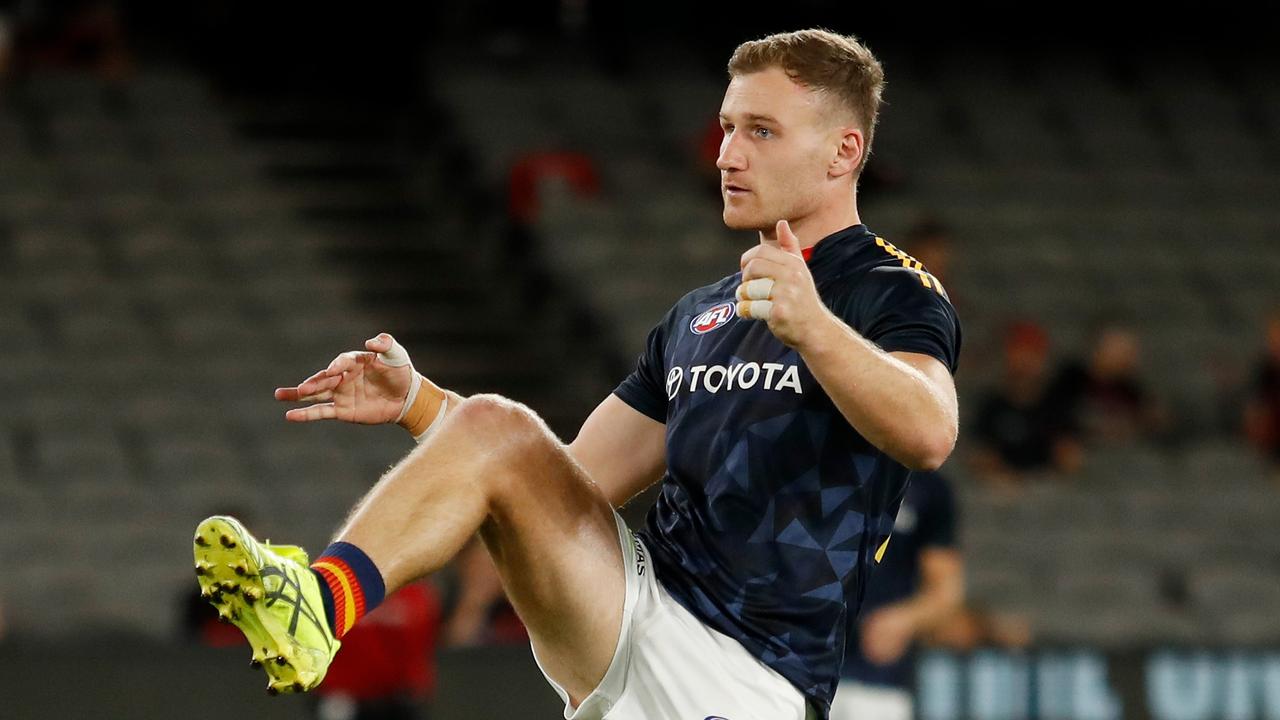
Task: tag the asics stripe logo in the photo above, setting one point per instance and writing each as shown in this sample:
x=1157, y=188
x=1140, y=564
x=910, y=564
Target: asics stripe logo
x=300, y=606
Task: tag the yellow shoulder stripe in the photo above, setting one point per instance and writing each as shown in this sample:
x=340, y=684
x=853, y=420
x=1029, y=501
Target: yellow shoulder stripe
x=912, y=264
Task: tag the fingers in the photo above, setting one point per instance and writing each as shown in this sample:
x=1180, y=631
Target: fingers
x=316, y=377
x=761, y=251
x=331, y=376
x=307, y=389
x=323, y=411
x=322, y=394
x=320, y=386
x=755, y=309
x=754, y=301
x=757, y=289
x=763, y=267
x=347, y=361
x=313, y=387
x=379, y=343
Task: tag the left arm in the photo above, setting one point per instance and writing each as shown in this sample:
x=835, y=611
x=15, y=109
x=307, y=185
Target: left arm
x=902, y=402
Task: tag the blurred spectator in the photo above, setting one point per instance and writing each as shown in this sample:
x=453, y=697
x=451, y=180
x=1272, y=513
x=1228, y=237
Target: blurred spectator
x=6, y=45
x=480, y=613
x=387, y=667
x=707, y=152
x=531, y=171
x=918, y=583
x=1262, y=406
x=1016, y=429
x=199, y=622
x=85, y=35
x=974, y=626
x=1103, y=398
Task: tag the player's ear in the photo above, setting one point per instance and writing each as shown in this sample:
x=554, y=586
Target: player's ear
x=848, y=154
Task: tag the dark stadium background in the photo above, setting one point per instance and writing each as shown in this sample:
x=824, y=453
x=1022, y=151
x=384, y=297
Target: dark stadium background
x=202, y=201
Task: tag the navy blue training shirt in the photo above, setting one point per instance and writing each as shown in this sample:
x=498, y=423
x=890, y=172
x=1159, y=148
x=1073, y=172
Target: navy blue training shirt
x=927, y=519
x=773, y=507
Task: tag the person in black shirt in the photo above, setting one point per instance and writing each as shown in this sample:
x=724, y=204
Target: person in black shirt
x=1016, y=429
x=1262, y=408
x=1103, y=398
x=918, y=585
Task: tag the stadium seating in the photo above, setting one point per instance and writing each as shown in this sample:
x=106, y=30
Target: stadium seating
x=168, y=256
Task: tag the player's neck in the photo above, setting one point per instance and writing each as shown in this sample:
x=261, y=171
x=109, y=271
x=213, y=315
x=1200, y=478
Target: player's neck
x=816, y=226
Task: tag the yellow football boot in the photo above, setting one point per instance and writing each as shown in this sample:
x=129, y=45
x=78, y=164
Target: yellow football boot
x=269, y=593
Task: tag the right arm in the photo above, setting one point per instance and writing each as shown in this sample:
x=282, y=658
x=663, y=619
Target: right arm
x=621, y=449
x=372, y=387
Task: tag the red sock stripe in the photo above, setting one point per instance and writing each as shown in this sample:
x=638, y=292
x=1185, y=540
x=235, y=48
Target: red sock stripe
x=346, y=610
x=357, y=593
x=339, y=596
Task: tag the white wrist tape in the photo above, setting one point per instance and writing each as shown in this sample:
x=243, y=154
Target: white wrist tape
x=415, y=384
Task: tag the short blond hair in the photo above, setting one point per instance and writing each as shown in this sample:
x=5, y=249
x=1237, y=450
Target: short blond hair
x=836, y=65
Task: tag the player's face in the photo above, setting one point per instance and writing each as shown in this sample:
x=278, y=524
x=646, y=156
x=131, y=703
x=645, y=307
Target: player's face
x=776, y=150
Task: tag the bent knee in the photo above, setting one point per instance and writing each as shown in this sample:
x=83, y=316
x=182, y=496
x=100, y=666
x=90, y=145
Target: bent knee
x=520, y=452
x=504, y=423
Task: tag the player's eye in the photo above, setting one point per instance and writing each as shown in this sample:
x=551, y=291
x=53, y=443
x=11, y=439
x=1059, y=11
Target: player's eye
x=764, y=132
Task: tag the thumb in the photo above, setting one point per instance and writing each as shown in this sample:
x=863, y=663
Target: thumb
x=390, y=352
x=379, y=343
x=787, y=240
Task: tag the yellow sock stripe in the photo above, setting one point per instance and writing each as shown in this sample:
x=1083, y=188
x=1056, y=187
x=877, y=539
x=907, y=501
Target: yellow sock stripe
x=349, y=606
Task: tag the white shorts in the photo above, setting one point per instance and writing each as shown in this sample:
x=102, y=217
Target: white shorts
x=670, y=666
x=856, y=701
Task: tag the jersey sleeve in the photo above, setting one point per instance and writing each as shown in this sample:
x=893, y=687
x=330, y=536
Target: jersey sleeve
x=900, y=309
x=938, y=515
x=645, y=388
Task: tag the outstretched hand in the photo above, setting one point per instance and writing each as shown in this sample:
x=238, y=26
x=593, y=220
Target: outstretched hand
x=778, y=288
x=366, y=387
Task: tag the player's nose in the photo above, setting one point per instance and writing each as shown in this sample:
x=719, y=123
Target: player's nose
x=730, y=158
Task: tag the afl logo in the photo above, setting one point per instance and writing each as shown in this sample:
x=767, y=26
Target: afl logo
x=711, y=319
x=674, y=378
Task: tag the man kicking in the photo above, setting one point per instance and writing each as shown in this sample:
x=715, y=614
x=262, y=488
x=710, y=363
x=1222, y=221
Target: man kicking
x=783, y=408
